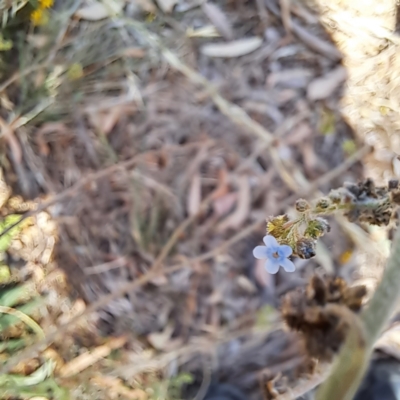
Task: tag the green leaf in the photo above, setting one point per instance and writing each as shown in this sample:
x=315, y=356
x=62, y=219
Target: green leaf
x=44, y=389
x=35, y=378
x=182, y=378
x=12, y=345
x=175, y=385
x=5, y=45
x=16, y=295
x=28, y=309
x=5, y=274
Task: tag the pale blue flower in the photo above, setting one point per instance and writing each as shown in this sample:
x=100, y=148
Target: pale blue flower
x=276, y=255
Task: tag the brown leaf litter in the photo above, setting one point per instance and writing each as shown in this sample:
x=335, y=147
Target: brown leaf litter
x=185, y=151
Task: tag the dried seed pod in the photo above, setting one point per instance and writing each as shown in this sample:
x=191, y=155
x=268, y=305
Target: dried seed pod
x=302, y=205
x=323, y=203
x=305, y=248
x=335, y=196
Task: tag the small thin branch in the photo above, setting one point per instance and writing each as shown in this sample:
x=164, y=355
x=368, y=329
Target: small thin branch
x=286, y=18
x=179, y=231
x=100, y=268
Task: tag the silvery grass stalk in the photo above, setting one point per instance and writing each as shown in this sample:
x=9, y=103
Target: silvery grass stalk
x=352, y=362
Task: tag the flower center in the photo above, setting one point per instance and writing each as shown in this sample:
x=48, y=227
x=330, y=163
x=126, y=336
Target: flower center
x=275, y=254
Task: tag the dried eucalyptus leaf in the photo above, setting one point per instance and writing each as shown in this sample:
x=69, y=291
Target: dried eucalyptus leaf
x=98, y=11
x=218, y=19
x=232, y=49
x=323, y=87
x=167, y=5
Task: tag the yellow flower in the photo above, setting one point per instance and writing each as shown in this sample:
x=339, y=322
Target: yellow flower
x=36, y=16
x=46, y=3
x=39, y=17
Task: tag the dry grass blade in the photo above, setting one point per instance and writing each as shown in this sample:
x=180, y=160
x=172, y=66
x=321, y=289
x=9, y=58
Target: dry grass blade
x=117, y=387
x=91, y=357
x=24, y=318
x=286, y=19
x=98, y=269
x=178, y=232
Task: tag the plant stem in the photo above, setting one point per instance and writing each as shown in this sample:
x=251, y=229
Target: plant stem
x=374, y=319
x=386, y=296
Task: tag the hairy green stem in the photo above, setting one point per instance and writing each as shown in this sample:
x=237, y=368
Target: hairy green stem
x=352, y=361
x=386, y=296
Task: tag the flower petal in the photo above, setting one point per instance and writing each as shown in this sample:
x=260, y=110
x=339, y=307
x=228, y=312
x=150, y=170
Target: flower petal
x=285, y=250
x=260, y=252
x=287, y=265
x=272, y=266
x=270, y=241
